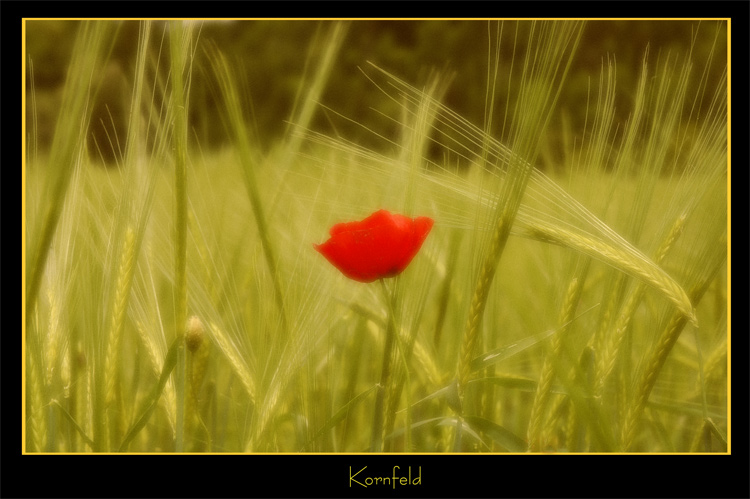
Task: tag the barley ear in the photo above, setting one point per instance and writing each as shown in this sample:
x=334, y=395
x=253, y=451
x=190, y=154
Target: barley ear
x=169, y=400
x=238, y=366
x=119, y=307
x=35, y=418
x=625, y=259
x=622, y=323
x=658, y=356
x=577, y=440
x=478, y=302
x=648, y=379
x=543, y=391
x=715, y=367
x=53, y=337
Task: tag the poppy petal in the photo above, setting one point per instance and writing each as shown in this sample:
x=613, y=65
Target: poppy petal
x=381, y=245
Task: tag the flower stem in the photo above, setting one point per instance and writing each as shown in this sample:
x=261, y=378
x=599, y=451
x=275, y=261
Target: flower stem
x=385, y=373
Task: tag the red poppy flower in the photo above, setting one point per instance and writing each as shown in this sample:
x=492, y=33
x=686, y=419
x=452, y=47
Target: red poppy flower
x=381, y=245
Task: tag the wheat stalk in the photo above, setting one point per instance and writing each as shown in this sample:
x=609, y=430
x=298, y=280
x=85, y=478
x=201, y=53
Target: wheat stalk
x=541, y=397
x=155, y=360
x=478, y=303
x=197, y=363
x=53, y=336
x=659, y=354
x=429, y=368
x=238, y=366
x=609, y=354
x=179, y=44
x=641, y=268
x=653, y=367
x=239, y=130
x=35, y=416
x=119, y=307
x=65, y=149
x=716, y=362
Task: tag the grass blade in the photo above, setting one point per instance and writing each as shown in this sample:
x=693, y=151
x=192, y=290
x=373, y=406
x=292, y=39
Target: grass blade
x=340, y=415
x=504, y=437
x=170, y=361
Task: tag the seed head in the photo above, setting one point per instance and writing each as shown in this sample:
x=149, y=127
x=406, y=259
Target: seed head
x=194, y=335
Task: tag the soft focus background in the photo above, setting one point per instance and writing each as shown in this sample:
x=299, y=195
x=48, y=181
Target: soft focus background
x=274, y=58
x=571, y=297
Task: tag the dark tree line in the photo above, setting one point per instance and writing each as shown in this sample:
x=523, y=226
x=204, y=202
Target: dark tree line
x=271, y=58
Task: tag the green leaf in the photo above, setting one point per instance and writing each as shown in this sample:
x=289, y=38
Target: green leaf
x=340, y=414
x=502, y=436
x=438, y=393
x=169, y=363
x=442, y=421
x=499, y=354
x=716, y=431
x=511, y=381
x=682, y=406
x=76, y=425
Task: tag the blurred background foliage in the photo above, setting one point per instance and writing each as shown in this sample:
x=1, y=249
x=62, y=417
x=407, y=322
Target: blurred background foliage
x=275, y=59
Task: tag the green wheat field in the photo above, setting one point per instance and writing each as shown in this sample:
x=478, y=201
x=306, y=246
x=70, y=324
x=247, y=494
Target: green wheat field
x=572, y=296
